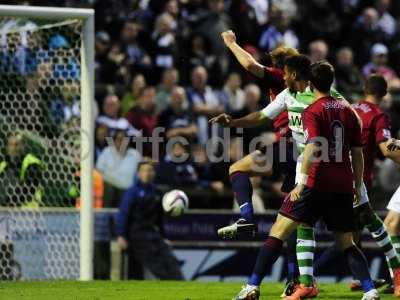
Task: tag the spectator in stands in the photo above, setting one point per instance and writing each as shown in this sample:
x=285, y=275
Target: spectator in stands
x=170, y=79
x=143, y=116
x=164, y=52
x=204, y=102
x=249, y=17
x=136, y=58
x=105, y=68
x=112, y=119
x=349, y=80
x=252, y=104
x=319, y=50
x=327, y=25
x=278, y=33
x=207, y=171
x=214, y=22
x=139, y=227
x=200, y=55
x=131, y=96
x=386, y=22
x=176, y=119
x=21, y=175
x=117, y=163
x=100, y=139
x=233, y=92
x=378, y=63
x=364, y=34
x=176, y=169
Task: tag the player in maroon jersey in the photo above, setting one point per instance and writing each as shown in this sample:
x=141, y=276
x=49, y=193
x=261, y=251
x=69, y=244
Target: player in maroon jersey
x=241, y=170
x=326, y=187
x=376, y=137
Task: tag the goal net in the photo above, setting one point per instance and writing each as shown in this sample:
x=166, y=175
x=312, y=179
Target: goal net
x=41, y=147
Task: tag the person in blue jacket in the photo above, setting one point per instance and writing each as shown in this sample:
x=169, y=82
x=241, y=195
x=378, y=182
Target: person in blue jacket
x=139, y=227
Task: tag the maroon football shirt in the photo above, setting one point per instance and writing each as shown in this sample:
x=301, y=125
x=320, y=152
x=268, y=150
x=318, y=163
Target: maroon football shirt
x=337, y=124
x=375, y=130
x=273, y=78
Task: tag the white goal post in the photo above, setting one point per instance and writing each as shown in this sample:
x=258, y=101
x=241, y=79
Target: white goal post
x=87, y=122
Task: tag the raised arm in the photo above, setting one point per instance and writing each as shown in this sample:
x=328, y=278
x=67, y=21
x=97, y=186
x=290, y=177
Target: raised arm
x=244, y=58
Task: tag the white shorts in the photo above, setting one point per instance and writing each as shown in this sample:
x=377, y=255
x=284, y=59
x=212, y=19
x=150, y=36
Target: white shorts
x=394, y=203
x=364, y=194
x=298, y=168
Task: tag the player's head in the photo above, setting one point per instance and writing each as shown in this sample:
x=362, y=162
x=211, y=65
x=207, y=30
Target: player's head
x=278, y=55
x=376, y=86
x=146, y=172
x=321, y=76
x=296, y=69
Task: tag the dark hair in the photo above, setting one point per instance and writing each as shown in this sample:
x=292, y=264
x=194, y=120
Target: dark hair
x=299, y=64
x=376, y=85
x=322, y=76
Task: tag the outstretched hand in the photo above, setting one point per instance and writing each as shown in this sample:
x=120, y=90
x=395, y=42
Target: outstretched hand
x=222, y=119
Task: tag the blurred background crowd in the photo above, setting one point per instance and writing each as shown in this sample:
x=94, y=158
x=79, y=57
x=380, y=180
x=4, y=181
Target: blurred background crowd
x=164, y=64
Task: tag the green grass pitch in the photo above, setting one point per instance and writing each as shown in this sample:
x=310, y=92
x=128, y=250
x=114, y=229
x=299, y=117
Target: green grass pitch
x=150, y=290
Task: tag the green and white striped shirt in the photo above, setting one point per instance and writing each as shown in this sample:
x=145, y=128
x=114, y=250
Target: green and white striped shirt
x=294, y=104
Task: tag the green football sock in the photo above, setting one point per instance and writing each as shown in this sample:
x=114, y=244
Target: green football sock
x=382, y=238
x=305, y=254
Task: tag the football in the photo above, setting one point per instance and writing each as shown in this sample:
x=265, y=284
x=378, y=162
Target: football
x=175, y=203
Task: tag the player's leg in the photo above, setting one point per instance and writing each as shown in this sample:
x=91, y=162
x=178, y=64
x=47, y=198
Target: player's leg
x=305, y=246
x=240, y=172
x=357, y=263
x=392, y=223
x=305, y=250
x=155, y=255
x=292, y=279
x=290, y=215
x=343, y=228
x=267, y=255
x=392, y=220
x=378, y=230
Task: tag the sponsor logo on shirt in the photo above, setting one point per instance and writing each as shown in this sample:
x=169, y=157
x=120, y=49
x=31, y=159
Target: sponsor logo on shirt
x=333, y=105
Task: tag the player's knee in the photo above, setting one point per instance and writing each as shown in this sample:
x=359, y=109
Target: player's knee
x=282, y=227
x=236, y=167
x=392, y=224
x=232, y=169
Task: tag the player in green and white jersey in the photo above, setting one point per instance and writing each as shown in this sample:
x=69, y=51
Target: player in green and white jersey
x=294, y=99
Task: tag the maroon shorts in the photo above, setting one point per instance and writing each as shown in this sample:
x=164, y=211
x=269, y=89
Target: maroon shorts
x=335, y=209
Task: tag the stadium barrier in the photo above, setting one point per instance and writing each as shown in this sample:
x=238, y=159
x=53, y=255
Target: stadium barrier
x=202, y=254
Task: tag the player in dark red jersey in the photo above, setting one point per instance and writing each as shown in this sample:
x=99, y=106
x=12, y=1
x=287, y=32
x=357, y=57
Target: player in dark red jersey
x=241, y=170
x=250, y=165
x=376, y=137
x=326, y=186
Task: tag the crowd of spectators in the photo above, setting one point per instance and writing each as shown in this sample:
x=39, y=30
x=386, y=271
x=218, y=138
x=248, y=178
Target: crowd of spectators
x=164, y=64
